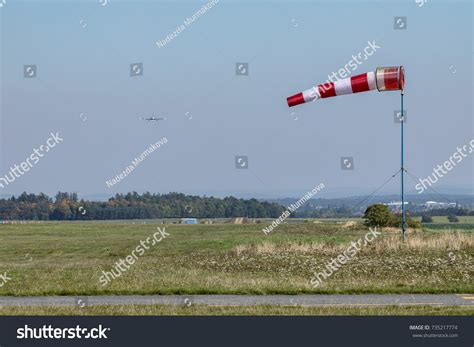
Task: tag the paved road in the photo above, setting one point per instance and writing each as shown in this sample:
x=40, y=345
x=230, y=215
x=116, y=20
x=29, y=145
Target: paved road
x=247, y=300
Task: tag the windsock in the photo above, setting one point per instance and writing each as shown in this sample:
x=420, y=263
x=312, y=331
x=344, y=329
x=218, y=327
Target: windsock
x=383, y=79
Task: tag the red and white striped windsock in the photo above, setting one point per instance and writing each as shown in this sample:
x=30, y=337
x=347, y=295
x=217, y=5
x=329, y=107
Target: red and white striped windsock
x=383, y=79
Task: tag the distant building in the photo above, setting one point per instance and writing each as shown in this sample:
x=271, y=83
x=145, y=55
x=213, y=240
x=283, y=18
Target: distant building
x=189, y=221
x=435, y=204
x=396, y=205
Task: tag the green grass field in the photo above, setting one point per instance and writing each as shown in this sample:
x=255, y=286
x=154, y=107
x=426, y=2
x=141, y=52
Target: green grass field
x=68, y=258
x=462, y=219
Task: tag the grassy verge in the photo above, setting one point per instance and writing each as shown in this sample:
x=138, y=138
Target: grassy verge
x=198, y=310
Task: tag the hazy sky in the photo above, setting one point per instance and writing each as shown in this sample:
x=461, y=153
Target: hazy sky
x=84, y=91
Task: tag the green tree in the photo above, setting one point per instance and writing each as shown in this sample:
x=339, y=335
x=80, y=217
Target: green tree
x=377, y=215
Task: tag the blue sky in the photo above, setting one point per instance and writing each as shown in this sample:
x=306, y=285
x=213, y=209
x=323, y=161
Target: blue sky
x=83, y=53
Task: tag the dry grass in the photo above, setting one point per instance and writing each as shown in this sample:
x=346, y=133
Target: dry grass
x=444, y=242
x=387, y=243
x=350, y=224
x=270, y=247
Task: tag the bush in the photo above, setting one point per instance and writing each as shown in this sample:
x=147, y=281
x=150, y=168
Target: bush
x=377, y=215
x=426, y=219
x=453, y=219
x=396, y=221
x=413, y=223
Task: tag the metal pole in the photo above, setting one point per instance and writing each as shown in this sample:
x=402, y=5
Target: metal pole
x=402, y=168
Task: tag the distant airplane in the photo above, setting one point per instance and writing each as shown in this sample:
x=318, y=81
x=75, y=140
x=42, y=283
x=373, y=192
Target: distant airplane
x=153, y=118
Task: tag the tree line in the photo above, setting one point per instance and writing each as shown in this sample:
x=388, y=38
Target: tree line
x=67, y=206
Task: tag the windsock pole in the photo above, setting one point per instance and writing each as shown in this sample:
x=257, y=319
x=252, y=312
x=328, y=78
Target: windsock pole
x=403, y=167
